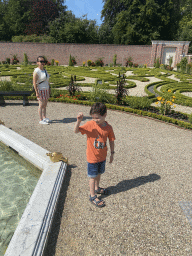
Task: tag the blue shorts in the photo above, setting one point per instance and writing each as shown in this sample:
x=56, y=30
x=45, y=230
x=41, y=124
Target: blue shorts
x=93, y=170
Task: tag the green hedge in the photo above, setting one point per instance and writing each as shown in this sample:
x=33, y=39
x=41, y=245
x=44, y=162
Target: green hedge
x=127, y=109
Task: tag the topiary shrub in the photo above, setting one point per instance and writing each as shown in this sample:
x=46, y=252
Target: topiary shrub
x=183, y=64
x=190, y=118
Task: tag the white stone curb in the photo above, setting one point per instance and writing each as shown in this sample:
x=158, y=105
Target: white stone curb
x=32, y=231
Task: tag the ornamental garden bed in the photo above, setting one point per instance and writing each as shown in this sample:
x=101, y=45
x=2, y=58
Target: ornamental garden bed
x=60, y=77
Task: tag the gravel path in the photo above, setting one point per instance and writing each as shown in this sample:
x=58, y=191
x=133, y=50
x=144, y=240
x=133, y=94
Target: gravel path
x=150, y=179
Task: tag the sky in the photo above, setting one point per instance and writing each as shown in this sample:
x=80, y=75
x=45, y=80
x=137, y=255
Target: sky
x=82, y=7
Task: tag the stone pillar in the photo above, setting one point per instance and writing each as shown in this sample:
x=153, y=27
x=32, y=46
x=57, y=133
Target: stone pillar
x=153, y=52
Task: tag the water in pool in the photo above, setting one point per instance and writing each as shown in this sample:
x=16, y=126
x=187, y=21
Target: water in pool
x=17, y=182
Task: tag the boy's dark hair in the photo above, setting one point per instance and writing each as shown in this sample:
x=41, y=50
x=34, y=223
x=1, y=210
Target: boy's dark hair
x=98, y=108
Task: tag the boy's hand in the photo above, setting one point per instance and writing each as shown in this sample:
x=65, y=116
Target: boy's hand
x=80, y=117
x=111, y=158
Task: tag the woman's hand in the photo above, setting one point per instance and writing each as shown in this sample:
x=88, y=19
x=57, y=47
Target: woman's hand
x=37, y=95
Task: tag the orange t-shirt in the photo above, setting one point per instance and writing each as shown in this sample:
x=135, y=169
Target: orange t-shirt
x=96, y=140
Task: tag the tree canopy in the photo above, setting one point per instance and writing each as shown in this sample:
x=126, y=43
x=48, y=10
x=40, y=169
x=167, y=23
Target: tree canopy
x=124, y=22
x=140, y=21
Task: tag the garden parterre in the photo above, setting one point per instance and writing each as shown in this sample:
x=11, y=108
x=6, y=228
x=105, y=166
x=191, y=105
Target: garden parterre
x=137, y=81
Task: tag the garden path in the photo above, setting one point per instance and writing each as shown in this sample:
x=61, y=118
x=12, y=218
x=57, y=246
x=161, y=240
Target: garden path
x=148, y=211
x=5, y=78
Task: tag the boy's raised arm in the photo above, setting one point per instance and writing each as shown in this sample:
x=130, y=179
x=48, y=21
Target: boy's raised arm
x=79, y=119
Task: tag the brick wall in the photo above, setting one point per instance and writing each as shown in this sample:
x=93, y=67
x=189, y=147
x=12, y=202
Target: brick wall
x=81, y=52
x=141, y=54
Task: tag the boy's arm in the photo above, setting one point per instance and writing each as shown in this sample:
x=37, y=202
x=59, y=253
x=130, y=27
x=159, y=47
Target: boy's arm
x=112, y=146
x=76, y=130
x=79, y=119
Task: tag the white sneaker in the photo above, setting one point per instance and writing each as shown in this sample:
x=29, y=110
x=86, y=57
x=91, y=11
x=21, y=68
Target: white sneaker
x=47, y=120
x=42, y=122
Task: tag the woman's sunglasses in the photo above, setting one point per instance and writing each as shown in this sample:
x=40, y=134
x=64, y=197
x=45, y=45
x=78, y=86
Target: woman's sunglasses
x=41, y=61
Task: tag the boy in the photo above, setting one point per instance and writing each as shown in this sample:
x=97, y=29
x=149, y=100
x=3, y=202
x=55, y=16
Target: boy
x=97, y=131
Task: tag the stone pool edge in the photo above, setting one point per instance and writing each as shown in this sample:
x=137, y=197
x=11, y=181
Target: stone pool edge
x=31, y=234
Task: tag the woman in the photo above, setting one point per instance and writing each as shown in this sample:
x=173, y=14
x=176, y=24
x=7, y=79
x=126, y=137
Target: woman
x=42, y=89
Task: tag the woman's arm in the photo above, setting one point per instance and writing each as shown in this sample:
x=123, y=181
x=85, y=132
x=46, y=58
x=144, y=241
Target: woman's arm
x=35, y=77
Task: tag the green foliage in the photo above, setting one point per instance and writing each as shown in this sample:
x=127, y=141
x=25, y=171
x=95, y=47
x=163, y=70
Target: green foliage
x=114, y=60
x=157, y=63
x=33, y=38
x=14, y=19
x=6, y=86
x=124, y=22
x=170, y=61
x=99, y=62
x=139, y=22
x=183, y=64
x=105, y=33
x=52, y=62
x=8, y=60
x=73, y=88
x=26, y=61
x=121, y=92
x=138, y=102
x=100, y=95
x=190, y=118
x=41, y=13
x=70, y=61
x=185, y=23
x=69, y=29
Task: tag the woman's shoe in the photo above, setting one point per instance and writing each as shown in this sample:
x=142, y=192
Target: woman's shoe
x=47, y=120
x=42, y=122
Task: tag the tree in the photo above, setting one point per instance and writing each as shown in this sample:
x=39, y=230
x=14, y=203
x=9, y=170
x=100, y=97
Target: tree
x=105, y=34
x=14, y=19
x=112, y=8
x=42, y=12
x=144, y=21
x=185, y=24
x=68, y=29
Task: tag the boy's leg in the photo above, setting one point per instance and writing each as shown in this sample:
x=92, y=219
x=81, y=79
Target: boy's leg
x=97, y=180
x=92, y=182
x=92, y=186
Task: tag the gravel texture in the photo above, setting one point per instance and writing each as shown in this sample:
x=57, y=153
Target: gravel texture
x=149, y=179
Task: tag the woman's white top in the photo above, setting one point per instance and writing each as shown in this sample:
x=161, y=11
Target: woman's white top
x=42, y=75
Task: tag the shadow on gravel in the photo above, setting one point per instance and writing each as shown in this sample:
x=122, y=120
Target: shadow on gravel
x=19, y=104
x=54, y=232
x=69, y=120
x=129, y=184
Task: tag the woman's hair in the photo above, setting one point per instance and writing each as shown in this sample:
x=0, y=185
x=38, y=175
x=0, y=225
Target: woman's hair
x=98, y=108
x=40, y=57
